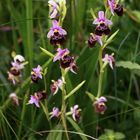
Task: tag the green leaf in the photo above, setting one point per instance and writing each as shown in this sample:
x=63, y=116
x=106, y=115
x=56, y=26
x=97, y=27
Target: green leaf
x=47, y=52
x=54, y=134
x=77, y=128
x=75, y=89
x=128, y=64
x=137, y=72
x=111, y=135
x=91, y=96
x=119, y=136
x=135, y=15
x=92, y=13
x=136, y=114
x=109, y=40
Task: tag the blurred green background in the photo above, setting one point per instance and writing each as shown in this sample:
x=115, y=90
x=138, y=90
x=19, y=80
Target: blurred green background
x=23, y=28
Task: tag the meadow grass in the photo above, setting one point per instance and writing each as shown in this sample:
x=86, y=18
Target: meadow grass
x=28, y=22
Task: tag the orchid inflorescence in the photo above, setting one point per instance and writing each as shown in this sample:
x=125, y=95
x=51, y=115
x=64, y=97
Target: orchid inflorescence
x=103, y=28
x=57, y=36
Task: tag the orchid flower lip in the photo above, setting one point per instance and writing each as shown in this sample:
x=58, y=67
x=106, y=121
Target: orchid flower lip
x=93, y=38
x=99, y=104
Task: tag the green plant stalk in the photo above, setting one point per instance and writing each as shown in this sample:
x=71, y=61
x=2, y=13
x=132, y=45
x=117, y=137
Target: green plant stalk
x=29, y=23
x=8, y=124
x=100, y=74
x=22, y=114
x=63, y=108
x=128, y=95
x=46, y=110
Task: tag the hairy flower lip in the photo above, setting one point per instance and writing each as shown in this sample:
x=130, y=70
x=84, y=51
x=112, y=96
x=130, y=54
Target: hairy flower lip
x=99, y=105
x=14, y=71
x=93, y=38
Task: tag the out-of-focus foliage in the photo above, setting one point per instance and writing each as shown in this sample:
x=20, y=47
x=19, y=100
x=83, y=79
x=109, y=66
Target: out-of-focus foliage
x=121, y=86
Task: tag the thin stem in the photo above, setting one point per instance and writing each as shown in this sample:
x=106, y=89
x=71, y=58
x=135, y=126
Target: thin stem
x=63, y=108
x=29, y=15
x=128, y=94
x=22, y=114
x=101, y=73
x=46, y=110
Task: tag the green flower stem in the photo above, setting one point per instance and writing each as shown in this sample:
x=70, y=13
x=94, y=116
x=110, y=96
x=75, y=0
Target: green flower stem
x=29, y=24
x=45, y=109
x=23, y=113
x=101, y=73
x=63, y=108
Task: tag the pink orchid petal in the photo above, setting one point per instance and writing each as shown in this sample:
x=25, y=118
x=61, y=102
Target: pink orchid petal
x=110, y=3
x=96, y=21
x=54, y=14
x=108, y=22
x=99, y=40
x=53, y=3
x=101, y=15
x=55, y=24
x=62, y=32
x=50, y=33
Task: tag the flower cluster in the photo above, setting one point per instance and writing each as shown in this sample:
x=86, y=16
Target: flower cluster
x=103, y=28
x=103, y=24
x=15, y=71
x=74, y=111
x=57, y=34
